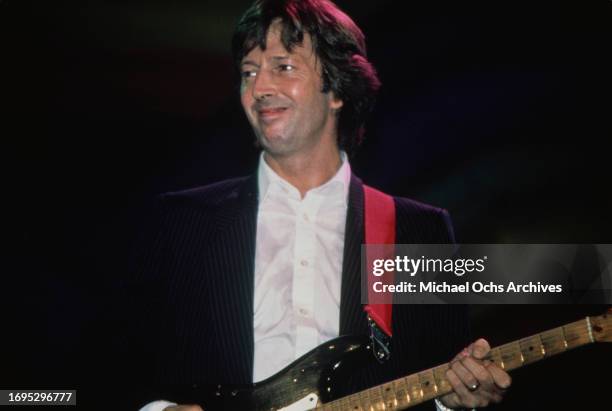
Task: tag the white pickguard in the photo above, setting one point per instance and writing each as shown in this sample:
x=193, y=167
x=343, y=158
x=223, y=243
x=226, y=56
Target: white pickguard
x=309, y=402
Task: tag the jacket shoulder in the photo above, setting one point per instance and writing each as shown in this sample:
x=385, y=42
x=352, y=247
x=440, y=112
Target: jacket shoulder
x=413, y=206
x=422, y=223
x=208, y=196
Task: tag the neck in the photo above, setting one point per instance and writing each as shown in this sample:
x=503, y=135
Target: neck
x=306, y=171
x=422, y=386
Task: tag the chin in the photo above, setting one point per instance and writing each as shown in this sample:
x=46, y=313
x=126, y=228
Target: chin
x=275, y=144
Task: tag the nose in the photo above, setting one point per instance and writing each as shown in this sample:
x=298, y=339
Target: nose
x=263, y=85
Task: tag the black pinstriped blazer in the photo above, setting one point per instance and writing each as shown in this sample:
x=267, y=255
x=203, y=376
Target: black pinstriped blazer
x=195, y=285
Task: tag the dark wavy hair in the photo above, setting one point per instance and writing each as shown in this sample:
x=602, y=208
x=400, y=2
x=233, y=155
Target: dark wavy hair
x=337, y=42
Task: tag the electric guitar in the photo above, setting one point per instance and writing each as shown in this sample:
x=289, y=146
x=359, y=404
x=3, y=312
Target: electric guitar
x=308, y=383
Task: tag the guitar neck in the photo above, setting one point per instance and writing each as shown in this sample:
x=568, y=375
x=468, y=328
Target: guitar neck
x=426, y=385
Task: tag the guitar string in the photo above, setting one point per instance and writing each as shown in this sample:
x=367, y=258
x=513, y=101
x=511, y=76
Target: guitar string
x=510, y=349
x=578, y=329
x=574, y=330
x=569, y=333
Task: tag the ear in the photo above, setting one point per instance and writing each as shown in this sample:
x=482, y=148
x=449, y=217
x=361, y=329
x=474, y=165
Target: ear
x=335, y=103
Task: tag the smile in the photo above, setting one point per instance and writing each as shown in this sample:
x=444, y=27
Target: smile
x=271, y=113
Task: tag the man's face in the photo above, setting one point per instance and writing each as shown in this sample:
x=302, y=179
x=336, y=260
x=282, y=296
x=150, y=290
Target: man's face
x=281, y=95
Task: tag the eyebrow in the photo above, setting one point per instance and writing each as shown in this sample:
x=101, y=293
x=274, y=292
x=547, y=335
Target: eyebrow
x=275, y=58
x=249, y=63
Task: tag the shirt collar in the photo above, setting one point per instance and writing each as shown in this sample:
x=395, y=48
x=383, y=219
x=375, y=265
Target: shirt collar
x=268, y=178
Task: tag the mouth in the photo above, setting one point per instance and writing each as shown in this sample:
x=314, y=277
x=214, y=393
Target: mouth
x=271, y=113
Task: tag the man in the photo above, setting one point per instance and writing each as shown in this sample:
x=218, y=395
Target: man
x=244, y=276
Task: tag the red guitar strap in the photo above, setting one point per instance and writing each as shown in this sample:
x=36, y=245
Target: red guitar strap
x=379, y=229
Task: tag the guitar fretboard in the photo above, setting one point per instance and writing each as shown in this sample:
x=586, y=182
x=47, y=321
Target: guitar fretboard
x=426, y=385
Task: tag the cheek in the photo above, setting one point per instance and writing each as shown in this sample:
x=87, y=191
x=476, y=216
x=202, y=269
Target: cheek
x=312, y=96
x=243, y=96
x=293, y=92
x=247, y=103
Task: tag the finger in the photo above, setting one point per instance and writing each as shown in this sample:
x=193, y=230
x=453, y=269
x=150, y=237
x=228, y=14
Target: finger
x=451, y=400
x=465, y=397
x=480, y=348
x=500, y=377
x=482, y=374
x=466, y=352
x=496, y=397
x=466, y=377
x=488, y=391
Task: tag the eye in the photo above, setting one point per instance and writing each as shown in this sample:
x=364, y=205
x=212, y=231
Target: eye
x=286, y=67
x=246, y=74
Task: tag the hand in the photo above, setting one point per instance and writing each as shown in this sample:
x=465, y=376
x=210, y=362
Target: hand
x=184, y=408
x=476, y=382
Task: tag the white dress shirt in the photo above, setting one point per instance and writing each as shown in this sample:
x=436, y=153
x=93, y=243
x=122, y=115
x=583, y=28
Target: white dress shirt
x=298, y=267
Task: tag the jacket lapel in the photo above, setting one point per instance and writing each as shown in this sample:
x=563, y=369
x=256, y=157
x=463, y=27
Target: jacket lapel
x=352, y=317
x=237, y=223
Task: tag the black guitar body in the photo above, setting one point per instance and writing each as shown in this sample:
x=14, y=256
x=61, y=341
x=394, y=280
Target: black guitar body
x=321, y=371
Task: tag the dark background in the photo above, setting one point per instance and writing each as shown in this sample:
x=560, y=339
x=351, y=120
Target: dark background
x=497, y=111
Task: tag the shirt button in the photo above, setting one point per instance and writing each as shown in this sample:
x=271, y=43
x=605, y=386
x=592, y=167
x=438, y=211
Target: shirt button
x=304, y=263
x=304, y=312
x=306, y=217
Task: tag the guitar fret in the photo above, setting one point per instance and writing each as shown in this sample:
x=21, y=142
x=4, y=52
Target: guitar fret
x=428, y=389
x=389, y=396
x=577, y=334
x=401, y=392
x=542, y=346
x=496, y=357
x=528, y=354
x=509, y=355
x=372, y=398
x=443, y=384
x=564, y=336
x=380, y=399
x=516, y=354
x=521, y=356
x=438, y=379
x=590, y=329
x=554, y=341
x=414, y=388
x=376, y=398
x=364, y=399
